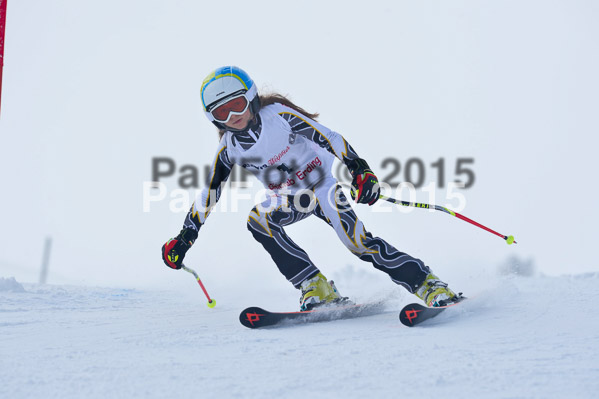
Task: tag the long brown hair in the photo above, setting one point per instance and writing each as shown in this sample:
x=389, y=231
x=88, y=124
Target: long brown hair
x=272, y=98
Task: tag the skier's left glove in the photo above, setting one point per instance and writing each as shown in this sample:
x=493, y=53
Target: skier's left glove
x=365, y=185
x=173, y=252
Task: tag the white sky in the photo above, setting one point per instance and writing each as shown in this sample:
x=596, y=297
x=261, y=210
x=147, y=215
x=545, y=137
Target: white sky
x=94, y=90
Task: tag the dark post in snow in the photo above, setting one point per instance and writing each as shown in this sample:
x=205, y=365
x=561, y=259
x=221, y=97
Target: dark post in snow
x=45, y=260
x=2, y=30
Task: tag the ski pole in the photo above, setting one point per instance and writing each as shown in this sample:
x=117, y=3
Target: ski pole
x=509, y=239
x=211, y=301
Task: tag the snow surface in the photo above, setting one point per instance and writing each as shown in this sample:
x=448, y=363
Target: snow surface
x=520, y=337
x=10, y=285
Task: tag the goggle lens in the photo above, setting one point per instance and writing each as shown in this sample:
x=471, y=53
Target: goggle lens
x=237, y=105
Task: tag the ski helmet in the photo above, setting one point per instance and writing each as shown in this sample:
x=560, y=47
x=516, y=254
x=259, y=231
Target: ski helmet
x=223, y=84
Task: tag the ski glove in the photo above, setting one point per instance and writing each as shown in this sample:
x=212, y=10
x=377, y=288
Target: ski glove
x=365, y=187
x=173, y=252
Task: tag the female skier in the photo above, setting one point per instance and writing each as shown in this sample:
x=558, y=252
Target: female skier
x=292, y=155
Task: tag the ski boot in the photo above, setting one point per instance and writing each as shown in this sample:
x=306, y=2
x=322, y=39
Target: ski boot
x=317, y=291
x=435, y=293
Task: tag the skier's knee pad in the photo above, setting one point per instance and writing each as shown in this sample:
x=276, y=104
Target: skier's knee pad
x=356, y=242
x=258, y=222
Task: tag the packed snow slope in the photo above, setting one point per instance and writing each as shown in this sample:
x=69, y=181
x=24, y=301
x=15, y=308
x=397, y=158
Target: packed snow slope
x=518, y=337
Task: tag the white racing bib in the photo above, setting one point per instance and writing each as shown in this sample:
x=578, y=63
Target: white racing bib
x=280, y=159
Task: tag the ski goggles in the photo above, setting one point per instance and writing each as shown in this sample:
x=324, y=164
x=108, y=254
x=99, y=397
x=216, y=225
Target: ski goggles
x=236, y=105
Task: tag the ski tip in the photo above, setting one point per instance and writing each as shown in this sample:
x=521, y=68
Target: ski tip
x=415, y=313
x=410, y=313
x=252, y=316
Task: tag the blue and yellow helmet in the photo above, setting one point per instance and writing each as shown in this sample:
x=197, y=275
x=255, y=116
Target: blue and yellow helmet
x=226, y=82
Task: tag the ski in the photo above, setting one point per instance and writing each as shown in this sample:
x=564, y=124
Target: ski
x=255, y=317
x=413, y=314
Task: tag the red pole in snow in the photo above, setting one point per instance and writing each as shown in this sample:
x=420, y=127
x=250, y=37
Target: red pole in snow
x=2, y=30
x=211, y=301
x=509, y=239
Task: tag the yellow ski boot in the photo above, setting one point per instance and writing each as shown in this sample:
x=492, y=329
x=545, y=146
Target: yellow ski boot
x=317, y=291
x=435, y=292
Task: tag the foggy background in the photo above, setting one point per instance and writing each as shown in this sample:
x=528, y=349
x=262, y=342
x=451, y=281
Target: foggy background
x=94, y=90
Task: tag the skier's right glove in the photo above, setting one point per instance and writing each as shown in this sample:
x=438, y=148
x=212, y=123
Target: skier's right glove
x=173, y=252
x=365, y=188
